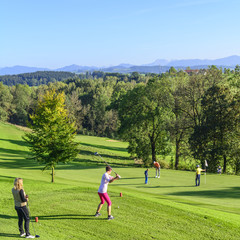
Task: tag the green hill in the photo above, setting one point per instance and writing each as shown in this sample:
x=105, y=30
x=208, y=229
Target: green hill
x=167, y=208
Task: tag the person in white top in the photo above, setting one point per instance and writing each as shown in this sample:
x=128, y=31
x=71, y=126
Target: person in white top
x=102, y=192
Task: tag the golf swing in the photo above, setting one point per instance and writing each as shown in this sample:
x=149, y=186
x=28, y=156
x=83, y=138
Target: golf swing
x=102, y=191
x=97, y=154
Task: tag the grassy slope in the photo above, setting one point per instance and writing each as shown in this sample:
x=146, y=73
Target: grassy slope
x=168, y=208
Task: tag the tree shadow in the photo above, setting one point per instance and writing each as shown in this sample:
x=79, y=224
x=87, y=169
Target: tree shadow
x=20, y=162
x=233, y=192
x=159, y=186
x=105, y=147
x=17, y=142
x=12, y=151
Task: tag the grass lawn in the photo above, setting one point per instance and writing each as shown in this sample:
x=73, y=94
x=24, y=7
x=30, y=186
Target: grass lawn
x=167, y=208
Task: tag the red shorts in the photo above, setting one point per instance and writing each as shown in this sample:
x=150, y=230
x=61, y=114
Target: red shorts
x=104, y=197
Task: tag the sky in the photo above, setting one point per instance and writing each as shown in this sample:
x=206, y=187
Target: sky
x=57, y=33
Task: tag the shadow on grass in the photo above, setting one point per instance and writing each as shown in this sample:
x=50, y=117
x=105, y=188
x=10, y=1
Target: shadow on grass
x=149, y=186
x=105, y=147
x=233, y=192
x=17, y=142
x=8, y=216
x=10, y=235
x=20, y=162
x=11, y=151
x=69, y=217
x=95, y=162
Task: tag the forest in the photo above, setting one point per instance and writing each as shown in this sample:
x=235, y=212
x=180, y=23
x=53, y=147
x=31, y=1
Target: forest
x=186, y=118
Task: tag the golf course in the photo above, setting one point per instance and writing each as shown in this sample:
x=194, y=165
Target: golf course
x=170, y=207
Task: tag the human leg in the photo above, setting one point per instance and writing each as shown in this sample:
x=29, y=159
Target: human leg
x=146, y=179
x=26, y=219
x=100, y=204
x=20, y=219
x=109, y=207
x=198, y=180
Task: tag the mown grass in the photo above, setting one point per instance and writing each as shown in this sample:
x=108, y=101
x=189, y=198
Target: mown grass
x=167, y=208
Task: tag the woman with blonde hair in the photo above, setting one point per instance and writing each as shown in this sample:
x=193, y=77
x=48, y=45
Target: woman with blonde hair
x=20, y=200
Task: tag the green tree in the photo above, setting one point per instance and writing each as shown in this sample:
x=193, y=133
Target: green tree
x=52, y=138
x=144, y=113
x=22, y=100
x=5, y=102
x=181, y=123
x=213, y=138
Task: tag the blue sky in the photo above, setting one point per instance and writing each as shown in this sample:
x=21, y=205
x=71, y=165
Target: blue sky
x=50, y=33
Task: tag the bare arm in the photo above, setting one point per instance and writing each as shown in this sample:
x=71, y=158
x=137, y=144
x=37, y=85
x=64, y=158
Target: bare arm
x=113, y=179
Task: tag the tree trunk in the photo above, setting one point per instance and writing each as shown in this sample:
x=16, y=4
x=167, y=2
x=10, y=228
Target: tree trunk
x=52, y=174
x=224, y=163
x=153, y=150
x=177, y=153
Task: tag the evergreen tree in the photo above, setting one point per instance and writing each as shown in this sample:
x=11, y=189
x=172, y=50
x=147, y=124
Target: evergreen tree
x=52, y=137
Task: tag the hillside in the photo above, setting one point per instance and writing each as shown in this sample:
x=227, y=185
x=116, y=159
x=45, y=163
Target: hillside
x=36, y=78
x=168, y=208
x=158, y=66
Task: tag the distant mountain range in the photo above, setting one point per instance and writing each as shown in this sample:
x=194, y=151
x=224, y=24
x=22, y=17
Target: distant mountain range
x=158, y=66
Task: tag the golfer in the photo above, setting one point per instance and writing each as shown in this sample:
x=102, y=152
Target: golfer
x=146, y=176
x=157, y=166
x=219, y=170
x=20, y=200
x=102, y=192
x=198, y=174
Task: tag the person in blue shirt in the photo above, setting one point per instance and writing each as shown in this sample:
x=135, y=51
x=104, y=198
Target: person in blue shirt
x=146, y=176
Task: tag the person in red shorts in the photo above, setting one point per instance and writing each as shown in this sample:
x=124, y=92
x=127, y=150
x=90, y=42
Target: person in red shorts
x=102, y=192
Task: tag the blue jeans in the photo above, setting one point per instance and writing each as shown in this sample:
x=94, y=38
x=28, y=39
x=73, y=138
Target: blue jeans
x=146, y=179
x=198, y=180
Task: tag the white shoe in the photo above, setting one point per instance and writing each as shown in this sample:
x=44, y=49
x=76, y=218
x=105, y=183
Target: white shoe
x=156, y=177
x=97, y=214
x=23, y=235
x=110, y=217
x=159, y=177
x=30, y=236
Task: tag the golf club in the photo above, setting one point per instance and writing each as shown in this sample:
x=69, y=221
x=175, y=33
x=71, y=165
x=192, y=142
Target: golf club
x=36, y=236
x=97, y=154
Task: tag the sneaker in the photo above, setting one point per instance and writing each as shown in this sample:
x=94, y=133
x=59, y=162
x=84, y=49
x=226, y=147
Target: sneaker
x=97, y=214
x=110, y=217
x=159, y=177
x=30, y=236
x=22, y=234
x=156, y=177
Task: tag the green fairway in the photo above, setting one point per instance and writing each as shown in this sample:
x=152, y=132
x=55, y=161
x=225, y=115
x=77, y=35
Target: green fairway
x=167, y=208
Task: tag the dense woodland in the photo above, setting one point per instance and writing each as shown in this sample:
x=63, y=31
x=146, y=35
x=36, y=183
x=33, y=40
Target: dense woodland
x=190, y=117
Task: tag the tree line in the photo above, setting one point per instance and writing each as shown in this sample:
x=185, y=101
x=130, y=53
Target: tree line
x=190, y=117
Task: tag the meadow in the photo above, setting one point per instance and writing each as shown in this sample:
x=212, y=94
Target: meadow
x=167, y=208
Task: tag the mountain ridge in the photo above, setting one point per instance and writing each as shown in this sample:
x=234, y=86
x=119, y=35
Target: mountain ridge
x=229, y=62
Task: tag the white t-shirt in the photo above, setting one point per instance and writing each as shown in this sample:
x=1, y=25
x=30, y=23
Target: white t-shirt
x=104, y=183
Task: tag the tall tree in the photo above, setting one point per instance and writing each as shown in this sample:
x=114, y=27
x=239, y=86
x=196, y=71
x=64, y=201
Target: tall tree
x=5, y=102
x=213, y=138
x=144, y=113
x=52, y=138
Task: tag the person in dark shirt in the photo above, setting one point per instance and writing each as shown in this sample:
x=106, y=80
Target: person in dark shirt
x=20, y=200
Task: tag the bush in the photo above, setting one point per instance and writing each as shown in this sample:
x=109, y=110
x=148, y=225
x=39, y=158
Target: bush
x=164, y=164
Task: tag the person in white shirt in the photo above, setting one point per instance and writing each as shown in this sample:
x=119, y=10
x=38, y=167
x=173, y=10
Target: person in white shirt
x=102, y=192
